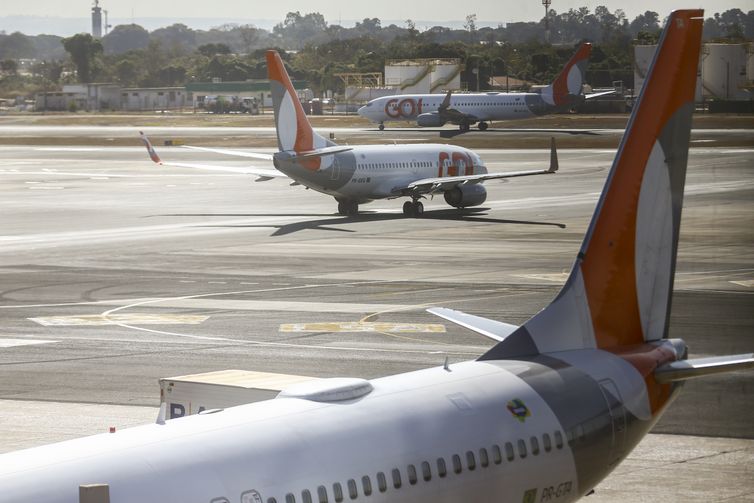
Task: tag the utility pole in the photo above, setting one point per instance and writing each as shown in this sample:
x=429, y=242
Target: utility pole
x=547, y=4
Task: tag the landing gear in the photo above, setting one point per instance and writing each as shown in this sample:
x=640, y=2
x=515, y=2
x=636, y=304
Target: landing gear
x=349, y=208
x=482, y=126
x=465, y=126
x=381, y=126
x=413, y=208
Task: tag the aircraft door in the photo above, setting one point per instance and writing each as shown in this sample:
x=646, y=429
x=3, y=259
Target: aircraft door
x=618, y=418
x=335, y=169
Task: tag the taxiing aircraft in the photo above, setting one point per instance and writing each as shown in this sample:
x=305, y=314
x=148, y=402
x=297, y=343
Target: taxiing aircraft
x=434, y=110
x=358, y=174
x=543, y=416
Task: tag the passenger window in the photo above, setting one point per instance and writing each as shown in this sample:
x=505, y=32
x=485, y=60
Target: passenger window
x=411, y=474
x=534, y=441
x=337, y=492
x=497, y=457
x=441, y=469
x=353, y=491
x=546, y=442
x=272, y=500
x=509, y=451
x=484, y=459
x=558, y=439
x=322, y=494
x=426, y=471
x=289, y=498
x=470, y=460
x=457, y=463
x=366, y=484
x=396, y=478
x=381, y=482
x=306, y=496
x=521, y=449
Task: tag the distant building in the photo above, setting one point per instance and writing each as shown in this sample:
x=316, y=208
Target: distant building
x=89, y=97
x=155, y=98
x=259, y=89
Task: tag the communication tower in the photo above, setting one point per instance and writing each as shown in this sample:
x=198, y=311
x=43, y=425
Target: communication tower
x=547, y=4
x=96, y=20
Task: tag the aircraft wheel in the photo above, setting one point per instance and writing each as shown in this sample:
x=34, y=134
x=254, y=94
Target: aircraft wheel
x=381, y=127
x=342, y=208
x=465, y=127
x=482, y=126
x=408, y=208
x=352, y=208
x=418, y=209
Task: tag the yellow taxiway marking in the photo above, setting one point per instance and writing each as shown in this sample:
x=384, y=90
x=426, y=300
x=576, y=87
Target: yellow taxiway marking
x=747, y=283
x=11, y=343
x=364, y=326
x=115, y=319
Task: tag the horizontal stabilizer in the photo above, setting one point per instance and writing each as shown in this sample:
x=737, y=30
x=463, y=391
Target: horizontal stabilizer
x=686, y=369
x=321, y=152
x=237, y=153
x=496, y=330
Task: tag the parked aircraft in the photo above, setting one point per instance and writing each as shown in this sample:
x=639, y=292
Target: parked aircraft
x=358, y=174
x=543, y=416
x=434, y=110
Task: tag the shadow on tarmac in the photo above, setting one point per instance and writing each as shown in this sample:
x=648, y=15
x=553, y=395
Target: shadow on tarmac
x=326, y=223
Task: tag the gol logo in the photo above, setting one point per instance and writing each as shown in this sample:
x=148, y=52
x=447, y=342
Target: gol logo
x=518, y=408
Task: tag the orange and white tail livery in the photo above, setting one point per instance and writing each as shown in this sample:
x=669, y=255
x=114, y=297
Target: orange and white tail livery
x=568, y=84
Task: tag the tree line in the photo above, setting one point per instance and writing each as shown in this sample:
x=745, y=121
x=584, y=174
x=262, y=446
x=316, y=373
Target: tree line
x=317, y=51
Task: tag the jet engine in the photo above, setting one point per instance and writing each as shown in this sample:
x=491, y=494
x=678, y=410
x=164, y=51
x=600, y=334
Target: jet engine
x=430, y=119
x=462, y=196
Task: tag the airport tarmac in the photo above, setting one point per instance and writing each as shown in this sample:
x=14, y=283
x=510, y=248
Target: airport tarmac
x=116, y=272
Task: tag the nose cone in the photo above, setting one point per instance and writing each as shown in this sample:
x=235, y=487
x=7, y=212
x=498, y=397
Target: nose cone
x=364, y=111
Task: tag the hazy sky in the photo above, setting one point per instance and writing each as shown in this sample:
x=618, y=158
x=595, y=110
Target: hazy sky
x=494, y=11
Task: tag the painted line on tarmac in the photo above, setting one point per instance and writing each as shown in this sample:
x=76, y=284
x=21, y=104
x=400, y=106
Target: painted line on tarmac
x=12, y=343
x=97, y=320
x=357, y=326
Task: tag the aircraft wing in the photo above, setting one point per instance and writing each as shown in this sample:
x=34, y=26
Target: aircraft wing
x=496, y=330
x=597, y=95
x=253, y=155
x=698, y=367
x=263, y=174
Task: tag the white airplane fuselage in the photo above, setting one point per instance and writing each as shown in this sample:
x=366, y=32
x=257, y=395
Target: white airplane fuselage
x=387, y=442
x=482, y=106
x=371, y=172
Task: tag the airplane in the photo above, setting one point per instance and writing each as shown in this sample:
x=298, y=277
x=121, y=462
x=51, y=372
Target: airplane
x=358, y=174
x=464, y=110
x=543, y=416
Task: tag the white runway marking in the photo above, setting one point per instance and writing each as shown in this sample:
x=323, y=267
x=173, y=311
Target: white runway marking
x=138, y=318
x=10, y=343
x=747, y=283
x=359, y=326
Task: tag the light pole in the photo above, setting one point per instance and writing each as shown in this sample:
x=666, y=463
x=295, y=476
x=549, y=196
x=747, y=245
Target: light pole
x=547, y=4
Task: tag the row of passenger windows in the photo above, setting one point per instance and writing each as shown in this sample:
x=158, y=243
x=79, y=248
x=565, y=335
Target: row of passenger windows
x=470, y=460
x=420, y=164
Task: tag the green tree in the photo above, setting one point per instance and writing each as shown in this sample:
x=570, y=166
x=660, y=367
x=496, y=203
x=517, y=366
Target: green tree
x=124, y=38
x=83, y=50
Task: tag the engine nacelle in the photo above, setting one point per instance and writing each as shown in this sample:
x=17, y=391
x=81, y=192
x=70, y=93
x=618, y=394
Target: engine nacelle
x=430, y=119
x=462, y=196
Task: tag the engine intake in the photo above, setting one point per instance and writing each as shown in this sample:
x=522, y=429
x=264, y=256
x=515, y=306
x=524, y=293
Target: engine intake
x=462, y=196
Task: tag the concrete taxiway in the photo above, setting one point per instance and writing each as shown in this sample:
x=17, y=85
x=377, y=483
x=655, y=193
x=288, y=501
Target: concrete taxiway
x=116, y=272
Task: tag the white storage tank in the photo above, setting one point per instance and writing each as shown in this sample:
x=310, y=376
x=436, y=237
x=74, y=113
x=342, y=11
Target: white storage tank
x=724, y=71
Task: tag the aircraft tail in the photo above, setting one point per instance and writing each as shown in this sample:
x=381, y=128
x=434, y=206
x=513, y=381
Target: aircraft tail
x=294, y=131
x=619, y=290
x=566, y=89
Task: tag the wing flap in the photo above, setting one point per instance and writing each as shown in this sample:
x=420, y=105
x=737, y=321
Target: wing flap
x=495, y=330
x=699, y=367
x=236, y=153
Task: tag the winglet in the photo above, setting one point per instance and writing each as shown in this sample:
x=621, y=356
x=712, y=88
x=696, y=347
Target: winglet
x=150, y=149
x=553, y=156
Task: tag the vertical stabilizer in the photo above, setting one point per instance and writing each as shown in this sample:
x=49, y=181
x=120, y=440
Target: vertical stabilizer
x=620, y=287
x=567, y=87
x=293, y=129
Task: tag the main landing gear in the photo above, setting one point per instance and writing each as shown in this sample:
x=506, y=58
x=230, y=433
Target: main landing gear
x=482, y=126
x=349, y=208
x=413, y=208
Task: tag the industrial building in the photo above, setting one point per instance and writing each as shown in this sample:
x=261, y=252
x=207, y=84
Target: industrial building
x=726, y=71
